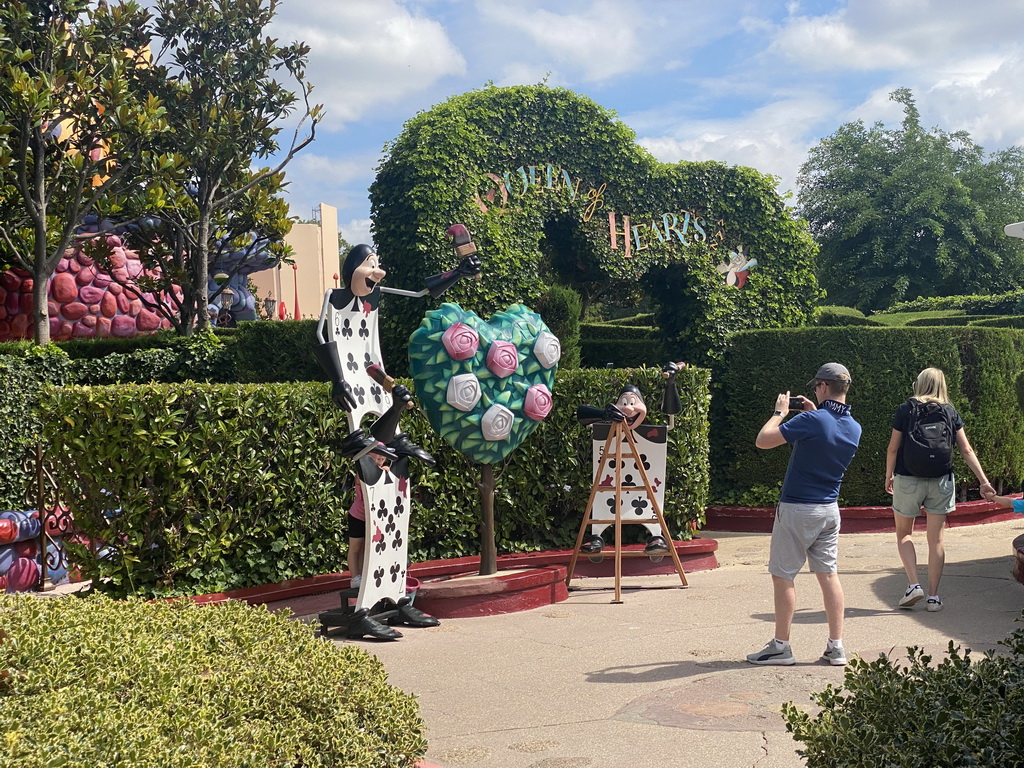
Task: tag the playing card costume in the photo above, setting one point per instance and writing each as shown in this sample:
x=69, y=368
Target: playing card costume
x=349, y=352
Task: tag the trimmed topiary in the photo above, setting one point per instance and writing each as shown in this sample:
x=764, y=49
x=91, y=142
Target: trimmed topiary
x=96, y=682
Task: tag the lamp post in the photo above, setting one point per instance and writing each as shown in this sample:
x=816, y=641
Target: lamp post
x=295, y=274
x=268, y=304
x=335, y=279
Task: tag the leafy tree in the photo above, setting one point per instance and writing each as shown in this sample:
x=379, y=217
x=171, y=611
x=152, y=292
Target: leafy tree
x=903, y=213
x=75, y=125
x=216, y=73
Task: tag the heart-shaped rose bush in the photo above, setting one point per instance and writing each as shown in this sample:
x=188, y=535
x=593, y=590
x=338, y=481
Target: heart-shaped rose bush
x=485, y=385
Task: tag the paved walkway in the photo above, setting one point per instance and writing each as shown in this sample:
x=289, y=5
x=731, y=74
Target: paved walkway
x=660, y=679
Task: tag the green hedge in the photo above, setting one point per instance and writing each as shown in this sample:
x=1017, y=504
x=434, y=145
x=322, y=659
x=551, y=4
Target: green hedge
x=956, y=713
x=835, y=315
x=1007, y=303
x=981, y=366
x=621, y=345
x=952, y=320
x=1013, y=321
x=227, y=486
x=97, y=682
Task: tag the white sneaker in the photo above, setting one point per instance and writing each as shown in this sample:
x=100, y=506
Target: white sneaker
x=356, y=581
x=912, y=596
x=934, y=604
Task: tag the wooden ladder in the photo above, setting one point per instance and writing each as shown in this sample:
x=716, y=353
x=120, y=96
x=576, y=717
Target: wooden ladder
x=613, y=449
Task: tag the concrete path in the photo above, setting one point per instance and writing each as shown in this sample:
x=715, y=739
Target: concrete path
x=660, y=680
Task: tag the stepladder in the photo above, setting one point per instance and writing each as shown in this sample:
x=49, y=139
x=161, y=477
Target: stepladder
x=628, y=489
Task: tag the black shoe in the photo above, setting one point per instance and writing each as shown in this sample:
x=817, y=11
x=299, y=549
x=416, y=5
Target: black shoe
x=357, y=444
x=656, y=545
x=403, y=446
x=593, y=545
x=412, y=617
x=357, y=624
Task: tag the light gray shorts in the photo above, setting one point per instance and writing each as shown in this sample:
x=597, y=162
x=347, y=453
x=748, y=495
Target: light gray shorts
x=935, y=494
x=804, y=533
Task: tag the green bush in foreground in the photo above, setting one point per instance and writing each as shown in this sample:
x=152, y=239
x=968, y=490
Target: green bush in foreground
x=92, y=682
x=957, y=713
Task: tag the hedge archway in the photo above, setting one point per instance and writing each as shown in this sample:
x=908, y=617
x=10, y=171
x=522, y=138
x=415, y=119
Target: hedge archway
x=556, y=189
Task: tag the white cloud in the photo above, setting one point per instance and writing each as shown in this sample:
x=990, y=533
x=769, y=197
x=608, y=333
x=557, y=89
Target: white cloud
x=774, y=139
x=367, y=53
x=357, y=231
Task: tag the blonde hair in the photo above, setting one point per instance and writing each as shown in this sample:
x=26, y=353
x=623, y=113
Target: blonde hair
x=930, y=386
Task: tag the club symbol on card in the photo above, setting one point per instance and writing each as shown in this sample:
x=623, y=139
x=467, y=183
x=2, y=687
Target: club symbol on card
x=399, y=506
x=627, y=480
x=364, y=332
x=378, y=541
x=391, y=524
x=646, y=463
x=378, y=576
x=376, y=393
x=396, y=569
x=346, y=330
x=351, y=363
x=397, y=543
x=382, y=509
x=639, y=506
x=360, y=394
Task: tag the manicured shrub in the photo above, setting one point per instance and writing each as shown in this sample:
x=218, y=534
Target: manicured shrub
x=22, y=376
x=96, y=682
x=841, y=316
x=981, y=367
x=560, y=309
x=276, y=351
x=956, y=713
x=1007, y=303
x=963, y=319
x=193, y=488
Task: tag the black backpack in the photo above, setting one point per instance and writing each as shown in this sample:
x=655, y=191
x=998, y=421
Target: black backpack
x=929, y=440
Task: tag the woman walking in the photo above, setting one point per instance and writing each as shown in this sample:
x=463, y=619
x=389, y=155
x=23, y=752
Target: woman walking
x=919, y=475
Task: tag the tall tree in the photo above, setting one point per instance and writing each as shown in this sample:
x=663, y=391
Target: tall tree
x=74, y=126
x=215, y=71
x=903, y=213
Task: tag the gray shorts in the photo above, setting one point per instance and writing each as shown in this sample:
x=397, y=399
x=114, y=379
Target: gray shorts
x=935, y=494
x=804, y=533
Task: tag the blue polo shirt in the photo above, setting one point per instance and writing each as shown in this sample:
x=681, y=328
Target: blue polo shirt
x=824, y=442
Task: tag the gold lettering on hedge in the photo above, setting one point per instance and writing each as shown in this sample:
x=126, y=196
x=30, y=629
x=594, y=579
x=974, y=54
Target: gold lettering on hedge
x=596, y=197
x=684, y=227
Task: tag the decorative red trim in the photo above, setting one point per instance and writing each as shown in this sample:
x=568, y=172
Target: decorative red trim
x=855, y=519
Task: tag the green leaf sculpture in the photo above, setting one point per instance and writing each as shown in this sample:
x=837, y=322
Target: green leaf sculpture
x=485, y=385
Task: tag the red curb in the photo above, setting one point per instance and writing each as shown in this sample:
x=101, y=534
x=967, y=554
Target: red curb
x=854, y=519
x=504, y=592
x=315, y=594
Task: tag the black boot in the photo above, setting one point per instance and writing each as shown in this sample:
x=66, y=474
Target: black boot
x=357, y=445
x=410, y=616
x=403, y=446
x=592, y=546
x=656, y=545
x=357, y=624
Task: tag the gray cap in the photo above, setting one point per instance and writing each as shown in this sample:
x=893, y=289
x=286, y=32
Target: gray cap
x=831, y=372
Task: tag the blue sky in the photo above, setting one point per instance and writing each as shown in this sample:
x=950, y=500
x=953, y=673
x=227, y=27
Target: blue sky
x=738, y=81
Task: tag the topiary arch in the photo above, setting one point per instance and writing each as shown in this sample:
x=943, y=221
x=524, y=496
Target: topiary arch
x=555, y=189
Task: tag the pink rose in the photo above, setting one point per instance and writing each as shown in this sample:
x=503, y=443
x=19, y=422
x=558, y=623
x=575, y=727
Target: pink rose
x=460, y=341
x=502, y=358
x=538, y=402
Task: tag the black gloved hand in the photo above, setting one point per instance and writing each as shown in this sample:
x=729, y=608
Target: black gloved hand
x=341, y=394
x=401, y=394
x=612, y=413
x=469, y=266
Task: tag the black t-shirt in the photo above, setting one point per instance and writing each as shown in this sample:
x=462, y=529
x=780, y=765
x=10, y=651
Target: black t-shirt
x=901, y=422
